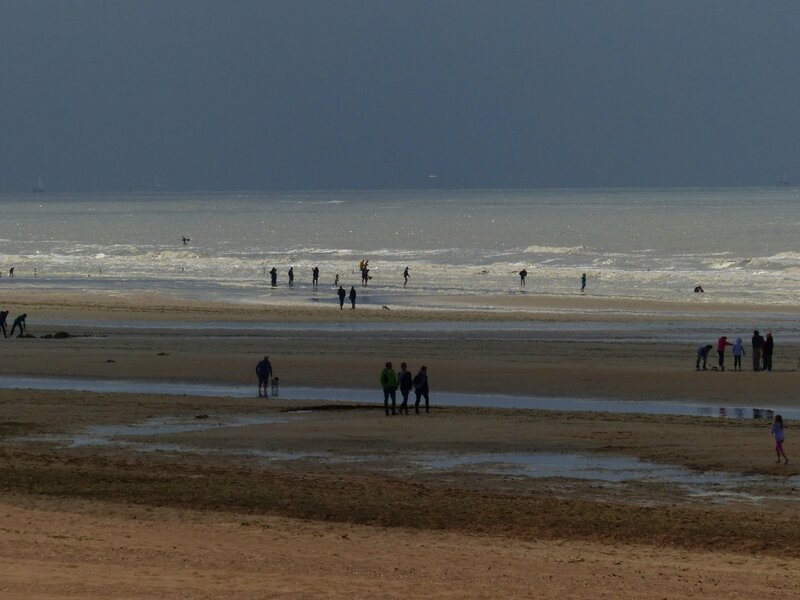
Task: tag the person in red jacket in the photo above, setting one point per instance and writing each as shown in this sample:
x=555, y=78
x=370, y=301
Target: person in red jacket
x=721, y=343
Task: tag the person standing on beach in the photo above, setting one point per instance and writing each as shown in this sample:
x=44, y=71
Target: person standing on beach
x=19, y=322
x=583, y=283
x=758, y=344
x=420, y=383
x=353, y=296
x=738, y=352
x=777, y=431
x=264, y=372
x=336, y=280
x=522, y=275
x=342, y=295
x=702, y=353
x=315, y=276
x=291, y=276
x=3, y=322
x=11, y=272
x=405, y=276
x=405, y=383
x=721, y=343
x=273, y=275
x=389, y=386
x=769, y=344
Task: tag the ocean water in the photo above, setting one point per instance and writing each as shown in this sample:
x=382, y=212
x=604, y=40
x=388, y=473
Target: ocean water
x=741, y=245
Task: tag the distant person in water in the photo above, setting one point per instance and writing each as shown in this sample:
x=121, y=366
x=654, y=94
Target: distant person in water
x=406, y=275
x=19, y=322
x=185, y=240
x=11, y=272
x=583, y=282
x=738, y=352
x=315, y=276
x=264, y=373
x=4, y=322
x=522, y=275
x=342, y=294
x=699, y=289
x=353, y=296
x=291, y=276
x=273, y=275
x=336, y=280
x=702, y=354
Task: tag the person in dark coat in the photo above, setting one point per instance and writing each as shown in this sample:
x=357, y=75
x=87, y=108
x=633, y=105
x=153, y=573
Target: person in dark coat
x=273, y=275
x=342, y=294
x=291, y=276
x=758, y=345
x=768, y=347
x=353, y=296
x=420, y=383
x=4, y=322
x=315, y=276
x=522, y=275
x=405, y=382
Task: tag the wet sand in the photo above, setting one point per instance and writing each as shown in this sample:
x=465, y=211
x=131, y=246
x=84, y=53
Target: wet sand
x=253, y=511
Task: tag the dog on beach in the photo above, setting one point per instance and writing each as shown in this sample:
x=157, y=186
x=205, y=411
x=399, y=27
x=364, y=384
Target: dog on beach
x=274, y=384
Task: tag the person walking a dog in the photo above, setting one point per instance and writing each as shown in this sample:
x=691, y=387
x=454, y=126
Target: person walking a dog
x=264, y=372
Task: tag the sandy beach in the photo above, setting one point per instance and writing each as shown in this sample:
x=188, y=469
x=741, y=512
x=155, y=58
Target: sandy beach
x=148, y=495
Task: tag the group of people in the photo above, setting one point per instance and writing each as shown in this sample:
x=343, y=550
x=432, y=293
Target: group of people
x=19, y=323
x=403, y=381
x=761, y=348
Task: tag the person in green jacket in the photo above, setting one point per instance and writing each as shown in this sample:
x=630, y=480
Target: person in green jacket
x=389, y=385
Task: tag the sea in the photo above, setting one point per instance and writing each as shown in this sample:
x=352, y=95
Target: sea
x=741, y=245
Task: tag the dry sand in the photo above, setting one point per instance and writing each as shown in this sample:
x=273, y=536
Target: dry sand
x=110, y=521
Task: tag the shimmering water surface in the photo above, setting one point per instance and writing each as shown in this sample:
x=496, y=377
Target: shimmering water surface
x=741, y=244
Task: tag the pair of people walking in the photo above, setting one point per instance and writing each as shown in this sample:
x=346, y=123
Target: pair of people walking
x=342, y=295
x=391, y=382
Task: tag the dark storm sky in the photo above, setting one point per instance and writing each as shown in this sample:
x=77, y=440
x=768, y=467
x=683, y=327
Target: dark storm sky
x=105, y=95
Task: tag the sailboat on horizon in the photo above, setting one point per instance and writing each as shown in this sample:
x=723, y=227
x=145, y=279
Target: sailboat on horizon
x=38, y=187
x=782, y=181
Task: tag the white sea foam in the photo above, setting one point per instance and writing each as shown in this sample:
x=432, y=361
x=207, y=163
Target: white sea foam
x=554, y=249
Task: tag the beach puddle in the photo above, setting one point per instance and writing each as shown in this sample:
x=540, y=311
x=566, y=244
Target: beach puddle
x=711, y=486
x=373, y=397
x=169, y=425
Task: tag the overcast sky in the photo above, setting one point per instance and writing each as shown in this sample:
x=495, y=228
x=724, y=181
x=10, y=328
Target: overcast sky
x=297, y=94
